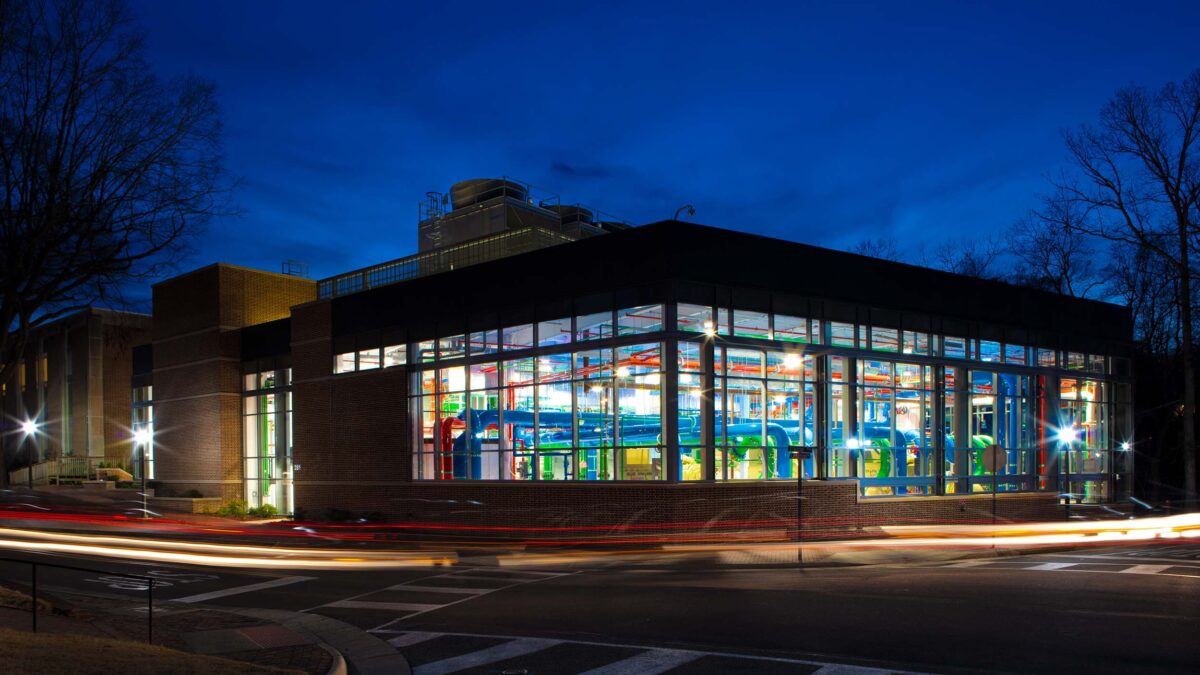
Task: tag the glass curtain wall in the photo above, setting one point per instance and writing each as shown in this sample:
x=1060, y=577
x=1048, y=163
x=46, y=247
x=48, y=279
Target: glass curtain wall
x=903, y=412
x=267, y=438
x=594, y=414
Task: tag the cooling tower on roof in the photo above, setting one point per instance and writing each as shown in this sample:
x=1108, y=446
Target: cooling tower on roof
x=478, y=190
x=572, y=214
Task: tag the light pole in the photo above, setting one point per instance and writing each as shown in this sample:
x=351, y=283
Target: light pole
x=1066, y=438
x=29, y=429
x=1127, y=464
x=141, y=440
x=801, y=453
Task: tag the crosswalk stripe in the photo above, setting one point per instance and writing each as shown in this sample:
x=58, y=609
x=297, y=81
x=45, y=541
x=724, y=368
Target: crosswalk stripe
x=438, y=589
x=1051, y=566
x=643, y=662
x=647, y=663
x=843, y=669
x=505, y=574
x=512, y=582
x=226, y=592
x=1145, y=569
x=383, y=606
x=412, y=638
x=483, y=657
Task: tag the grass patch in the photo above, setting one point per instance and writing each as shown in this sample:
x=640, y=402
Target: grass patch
x=14, y=599
x=39, y=654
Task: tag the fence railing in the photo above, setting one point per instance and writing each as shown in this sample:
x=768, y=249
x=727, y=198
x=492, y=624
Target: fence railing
x=33, y=577
x=69, y=468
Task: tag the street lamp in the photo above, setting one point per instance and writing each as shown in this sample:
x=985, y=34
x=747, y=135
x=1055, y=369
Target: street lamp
x=29, y=429
x=142, y=437
x=1066, y=438
x=800, y=453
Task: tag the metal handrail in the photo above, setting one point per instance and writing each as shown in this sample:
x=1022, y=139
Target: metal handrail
x=421, y=264
x=33, y=578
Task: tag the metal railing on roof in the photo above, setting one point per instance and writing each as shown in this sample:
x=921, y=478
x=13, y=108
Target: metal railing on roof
x=442, y=260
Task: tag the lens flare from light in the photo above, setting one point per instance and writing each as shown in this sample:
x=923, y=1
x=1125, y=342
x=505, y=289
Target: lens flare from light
x=1068, y=435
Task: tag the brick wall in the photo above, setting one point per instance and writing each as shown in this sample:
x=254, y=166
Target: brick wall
x=830, y=507
x=198, y=369
x=350, y=429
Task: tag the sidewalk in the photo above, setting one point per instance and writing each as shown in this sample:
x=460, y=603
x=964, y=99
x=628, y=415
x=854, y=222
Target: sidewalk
x=295, y=642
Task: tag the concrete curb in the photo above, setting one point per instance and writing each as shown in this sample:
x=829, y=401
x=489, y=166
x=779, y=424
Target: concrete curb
x=362, y=652
x=339, y=661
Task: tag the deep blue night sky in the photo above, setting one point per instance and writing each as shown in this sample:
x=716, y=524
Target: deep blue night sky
x=824, y=123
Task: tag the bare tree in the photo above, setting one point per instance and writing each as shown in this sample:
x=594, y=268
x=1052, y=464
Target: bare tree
x=1147, y=286
x=1137, y=182
x=880, y=247
x=106, y=168
x=1054, y=256
x=972, y=257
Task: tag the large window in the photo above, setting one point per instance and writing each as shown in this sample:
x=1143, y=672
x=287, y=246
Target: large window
x=267, y=438
x=142, y=427
x=895, y=427
x=763, y=405
x=903, y=412
x=590, y=414
x=1085, y=429
x=1001, y=415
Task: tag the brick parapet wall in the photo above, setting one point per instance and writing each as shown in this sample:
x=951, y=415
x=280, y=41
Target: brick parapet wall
x=532, y=509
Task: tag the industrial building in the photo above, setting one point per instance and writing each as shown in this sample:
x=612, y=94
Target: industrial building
x=539, y=366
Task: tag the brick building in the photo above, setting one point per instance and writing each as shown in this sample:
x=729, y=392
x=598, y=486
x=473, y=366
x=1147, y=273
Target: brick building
x=534, y=366
x=73, y=383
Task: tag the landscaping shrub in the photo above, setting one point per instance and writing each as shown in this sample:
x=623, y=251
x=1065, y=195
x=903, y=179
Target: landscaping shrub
x=264, y=511
x=234, y=508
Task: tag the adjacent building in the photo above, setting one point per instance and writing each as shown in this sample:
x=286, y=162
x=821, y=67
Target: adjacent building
x=73, y=386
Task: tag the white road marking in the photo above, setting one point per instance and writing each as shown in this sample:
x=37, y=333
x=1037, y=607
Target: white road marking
x=250, y=588
x=504, y=574
x=417, y=637
x=1151, y=570
x=383, y=606
x=438, y=589
x=1115, y=557
x=429, y=584
x=1049, y=566
x=1145, y=569
x=648, y=663
x=409, y=639
x=843, y=669
x=479, y=577
x=483, y=657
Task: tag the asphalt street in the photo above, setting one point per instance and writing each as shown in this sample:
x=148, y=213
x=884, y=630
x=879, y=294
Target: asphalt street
x=1120, y=609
